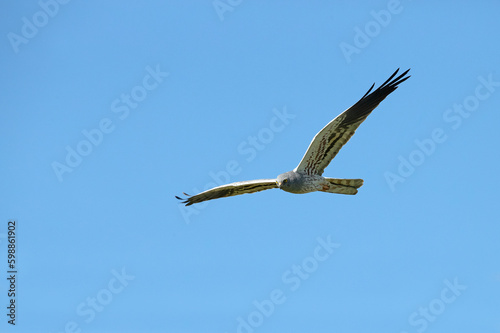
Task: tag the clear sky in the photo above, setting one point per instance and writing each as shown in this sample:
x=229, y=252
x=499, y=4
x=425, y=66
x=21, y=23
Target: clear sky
x=109, y=109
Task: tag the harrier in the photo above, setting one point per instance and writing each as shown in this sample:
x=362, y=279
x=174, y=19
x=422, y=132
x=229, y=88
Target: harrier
x=306, y=177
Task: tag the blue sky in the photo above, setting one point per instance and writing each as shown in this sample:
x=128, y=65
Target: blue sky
x=110, y=109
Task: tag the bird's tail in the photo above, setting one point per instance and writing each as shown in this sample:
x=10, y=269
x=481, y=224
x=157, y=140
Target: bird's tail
x=342, y=186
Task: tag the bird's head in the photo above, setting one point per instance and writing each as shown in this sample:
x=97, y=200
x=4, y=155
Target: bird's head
x=288, y=181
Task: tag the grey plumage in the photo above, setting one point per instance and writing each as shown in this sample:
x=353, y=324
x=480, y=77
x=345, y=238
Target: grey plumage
x=307, y=176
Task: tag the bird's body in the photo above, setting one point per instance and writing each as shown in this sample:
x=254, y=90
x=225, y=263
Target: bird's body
x=299, y=182
x=307, y=176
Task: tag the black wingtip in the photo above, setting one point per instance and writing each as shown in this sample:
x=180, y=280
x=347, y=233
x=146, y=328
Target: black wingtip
x=373, y=97
x=185, y=201
x=392, y=83
x=373, y=85
x=400, y=79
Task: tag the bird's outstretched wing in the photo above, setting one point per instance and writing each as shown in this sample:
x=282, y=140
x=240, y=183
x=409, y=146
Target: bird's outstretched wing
x=327, y=143
x=228, y=190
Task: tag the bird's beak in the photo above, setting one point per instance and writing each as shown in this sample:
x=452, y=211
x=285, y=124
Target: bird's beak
x=278, y=183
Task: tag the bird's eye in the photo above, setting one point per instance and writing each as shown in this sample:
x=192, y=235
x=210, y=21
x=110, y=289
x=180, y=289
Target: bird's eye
x=285, y=180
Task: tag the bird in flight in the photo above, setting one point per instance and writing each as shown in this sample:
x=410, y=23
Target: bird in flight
x=307, y=176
